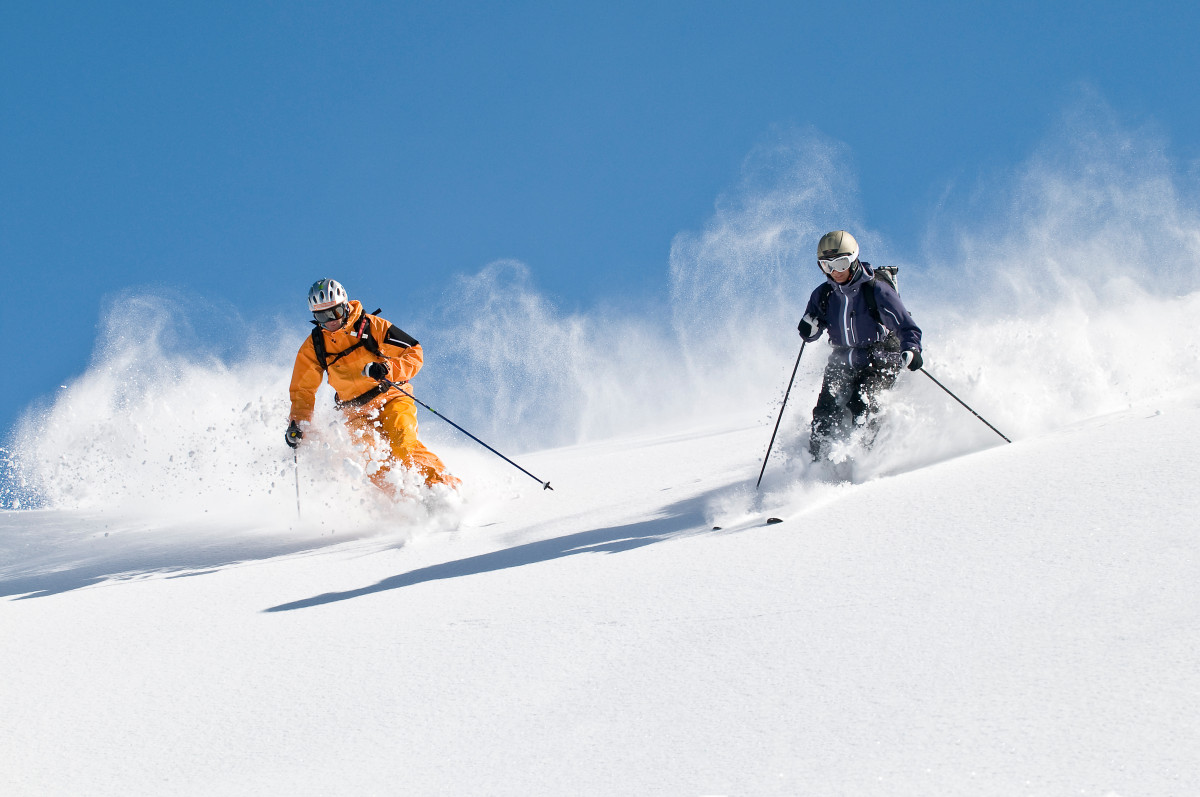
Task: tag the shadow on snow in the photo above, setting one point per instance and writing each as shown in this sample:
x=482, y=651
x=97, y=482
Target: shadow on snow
x=61, y=559
x=677, y=520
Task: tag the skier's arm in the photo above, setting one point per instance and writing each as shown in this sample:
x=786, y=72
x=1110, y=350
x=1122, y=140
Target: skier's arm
x=400, y=348
x=812, y=325
x=306, y=378
x=897, y=318
x=405, y=366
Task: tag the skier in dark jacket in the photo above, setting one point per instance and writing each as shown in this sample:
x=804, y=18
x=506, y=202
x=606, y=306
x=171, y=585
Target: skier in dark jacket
x=872, y=341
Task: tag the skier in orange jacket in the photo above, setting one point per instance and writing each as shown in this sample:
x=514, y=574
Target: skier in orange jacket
x=355, y=350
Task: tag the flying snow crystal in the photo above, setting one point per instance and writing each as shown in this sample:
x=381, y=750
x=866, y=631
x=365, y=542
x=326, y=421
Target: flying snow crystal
x=1069, y=293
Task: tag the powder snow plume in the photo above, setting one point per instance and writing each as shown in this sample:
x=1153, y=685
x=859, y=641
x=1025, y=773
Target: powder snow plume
x=154, y=429
x=1062, y=290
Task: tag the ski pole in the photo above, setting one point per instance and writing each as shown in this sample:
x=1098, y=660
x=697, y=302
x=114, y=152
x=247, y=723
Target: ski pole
x=780, y=418
x=545, y=485
x=296, y=462
x=960, y=401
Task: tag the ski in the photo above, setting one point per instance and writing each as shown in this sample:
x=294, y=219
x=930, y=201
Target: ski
x=771, y=521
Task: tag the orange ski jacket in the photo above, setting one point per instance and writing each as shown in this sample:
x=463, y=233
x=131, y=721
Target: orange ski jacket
x=345, y=359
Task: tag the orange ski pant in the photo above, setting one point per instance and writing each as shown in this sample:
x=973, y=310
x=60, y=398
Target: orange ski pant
x=395, y=425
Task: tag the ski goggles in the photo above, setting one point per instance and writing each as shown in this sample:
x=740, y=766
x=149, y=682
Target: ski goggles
x=335, y=313
x=832, y=264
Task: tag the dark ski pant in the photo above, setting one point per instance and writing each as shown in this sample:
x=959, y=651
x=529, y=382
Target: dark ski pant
x=850, y=396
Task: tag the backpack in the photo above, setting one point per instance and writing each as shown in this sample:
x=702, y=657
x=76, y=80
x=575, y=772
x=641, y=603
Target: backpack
x=885, y=273
x=364, y=341
x=395, y=337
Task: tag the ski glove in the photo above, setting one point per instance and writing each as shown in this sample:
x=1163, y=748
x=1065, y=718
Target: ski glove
x=809, y=327
x=293, y=435
x=376, y=371
x=912, y=360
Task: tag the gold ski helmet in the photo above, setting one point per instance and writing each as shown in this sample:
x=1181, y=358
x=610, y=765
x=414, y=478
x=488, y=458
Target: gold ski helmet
x=837, y=244
x=837, y=251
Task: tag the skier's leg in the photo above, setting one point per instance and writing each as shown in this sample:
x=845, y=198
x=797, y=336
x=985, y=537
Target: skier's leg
x=365, y=427
x=398, y=420
x=828, y=417
x=868, y=385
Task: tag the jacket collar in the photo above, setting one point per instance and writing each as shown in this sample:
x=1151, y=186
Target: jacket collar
x=863, y=274
x=356, y=313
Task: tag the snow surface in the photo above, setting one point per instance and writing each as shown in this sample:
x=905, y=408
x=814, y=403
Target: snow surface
x=958, y=616
x=1022, y=620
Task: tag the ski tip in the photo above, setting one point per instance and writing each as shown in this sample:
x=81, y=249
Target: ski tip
x=716, y=528
x=771, y=521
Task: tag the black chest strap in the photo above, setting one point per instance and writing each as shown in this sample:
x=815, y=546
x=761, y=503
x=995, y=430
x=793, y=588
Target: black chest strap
x=869, y=296
x=364, y=341
x=872, y=300
x=823, y=301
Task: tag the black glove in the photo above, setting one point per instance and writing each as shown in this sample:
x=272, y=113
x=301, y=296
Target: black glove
x=808, y=327
x=293, y=435
x=911, y=359
x=376, y=371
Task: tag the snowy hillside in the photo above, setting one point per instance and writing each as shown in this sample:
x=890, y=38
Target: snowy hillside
x=185, y=609
x=1020, y=620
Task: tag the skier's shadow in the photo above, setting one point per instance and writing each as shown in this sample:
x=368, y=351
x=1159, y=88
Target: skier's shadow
x=686, y=516
x=70, y=561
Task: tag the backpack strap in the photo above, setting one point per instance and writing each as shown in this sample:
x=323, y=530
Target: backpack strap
x=872, y=301
x=323, y=358
x=318, y=342
x=886, y=274
x=823, y=300
x=868, y=291
x=364, y=334
x=364, y=341
x=395, y=337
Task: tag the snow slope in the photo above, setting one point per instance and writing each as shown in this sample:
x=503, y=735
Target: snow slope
x=961, y=617
x=1020, y=620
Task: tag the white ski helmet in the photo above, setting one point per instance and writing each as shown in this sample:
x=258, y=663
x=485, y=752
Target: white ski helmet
x=325, y=294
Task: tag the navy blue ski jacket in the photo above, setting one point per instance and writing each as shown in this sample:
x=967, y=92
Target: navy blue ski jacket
x=852, y=330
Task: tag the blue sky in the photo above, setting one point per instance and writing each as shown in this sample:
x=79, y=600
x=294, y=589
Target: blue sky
x=241, y=150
